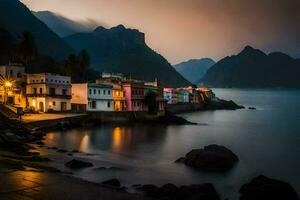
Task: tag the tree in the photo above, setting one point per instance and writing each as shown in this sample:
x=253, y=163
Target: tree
x=151, y=102
x=27, y=50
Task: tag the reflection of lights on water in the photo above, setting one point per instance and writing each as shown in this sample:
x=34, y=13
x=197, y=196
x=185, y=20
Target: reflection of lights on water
x=27, y=179
x=85, y=143
x=117, y=139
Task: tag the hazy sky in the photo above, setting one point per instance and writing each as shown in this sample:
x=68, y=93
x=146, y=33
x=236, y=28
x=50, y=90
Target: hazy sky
x=185, y=29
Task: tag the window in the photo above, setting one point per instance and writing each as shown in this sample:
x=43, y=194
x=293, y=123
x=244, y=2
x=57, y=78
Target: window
x=108, y=92
x=90, y=91
x=52, y=91
x=33, y=81
x=53, y=103
x=94, y=104
x=34, y=90
x=41, y=90
x=104, y=91
x=94, y=91
x=55, y=81
x=67, y=81
x=51, y=80
x=42, y=80
x=64, y=91
x=63, y=81
x=46, y=80
x=11, y=73
x=108, y=104
x=99, y=91
x=19, y=75
x=59, y=81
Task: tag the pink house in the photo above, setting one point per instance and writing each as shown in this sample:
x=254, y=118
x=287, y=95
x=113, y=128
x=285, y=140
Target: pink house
x=134, y=95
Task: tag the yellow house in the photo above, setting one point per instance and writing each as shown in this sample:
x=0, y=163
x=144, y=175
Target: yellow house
x=119, y=98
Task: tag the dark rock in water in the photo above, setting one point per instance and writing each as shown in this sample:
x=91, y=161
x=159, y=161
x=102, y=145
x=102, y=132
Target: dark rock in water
x=78, y=164
x=262, y=188
x=75, y=151
x=62, y=151
x=190, y=192
x=223, y=104
x=136, y=185
x=70, y=154
x=172, y=119
x=53, y=148
x=110, y=168
x=211, y=158
x=197, y=191
x=147, y=188
x=112, y=182
x=180, y=160
x=252, y=108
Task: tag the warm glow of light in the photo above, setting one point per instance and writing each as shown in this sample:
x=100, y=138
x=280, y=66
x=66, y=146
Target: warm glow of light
x=34, y=103
x=7, y=84
x=117, y=139
x=85, y=143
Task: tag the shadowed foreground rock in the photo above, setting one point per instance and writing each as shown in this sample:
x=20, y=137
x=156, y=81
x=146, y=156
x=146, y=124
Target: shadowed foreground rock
x=112, y=182
x=78, y=164
x=262, y=188
x=211, y=158
x=169, y=191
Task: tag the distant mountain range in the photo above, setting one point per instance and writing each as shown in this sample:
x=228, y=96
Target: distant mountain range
x=15, y=18
x=62, y=25
x=193, y=70
x=253, y=68
x=119, y=49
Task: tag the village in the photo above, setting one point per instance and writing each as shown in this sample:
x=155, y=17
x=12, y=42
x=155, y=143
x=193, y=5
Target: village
x=112, y=92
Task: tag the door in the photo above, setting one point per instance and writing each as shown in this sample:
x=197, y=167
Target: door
x=41, y=107
x=63, y=106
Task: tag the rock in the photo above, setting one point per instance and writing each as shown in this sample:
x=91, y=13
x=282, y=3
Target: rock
x=197, y=191
x=252, y=108
x=262, y=188
x=62, y=151
x=147, y=188
x=112, y=182
x=136, y=185
x=180, y=160
x=211, y=158
x=75, y=151
x=78, y=164
x=190, y=192
x=69, y=154
x=110, y=168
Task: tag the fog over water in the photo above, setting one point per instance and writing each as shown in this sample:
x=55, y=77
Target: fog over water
x=266, y=140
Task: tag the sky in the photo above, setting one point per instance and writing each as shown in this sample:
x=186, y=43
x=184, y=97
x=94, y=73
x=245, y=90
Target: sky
x=185, y=29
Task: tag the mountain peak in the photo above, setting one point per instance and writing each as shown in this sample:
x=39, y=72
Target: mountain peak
x=248, y=50
x=100, y=29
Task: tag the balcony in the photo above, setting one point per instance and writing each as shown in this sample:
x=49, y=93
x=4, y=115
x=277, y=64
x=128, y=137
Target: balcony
x=58, y=96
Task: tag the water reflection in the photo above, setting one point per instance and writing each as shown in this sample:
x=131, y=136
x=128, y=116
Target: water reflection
x=85, y=143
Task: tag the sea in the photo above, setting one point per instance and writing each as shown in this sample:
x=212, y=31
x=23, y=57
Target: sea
x=266, y=140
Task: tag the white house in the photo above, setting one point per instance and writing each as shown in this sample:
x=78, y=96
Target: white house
x=92, y=97
x=48, y=92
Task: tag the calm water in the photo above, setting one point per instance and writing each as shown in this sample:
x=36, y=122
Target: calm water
x=267, y=141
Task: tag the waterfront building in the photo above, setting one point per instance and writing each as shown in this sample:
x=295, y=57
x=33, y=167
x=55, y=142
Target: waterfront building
x=183, y=95
x=170, y=95
x=156, y=88
x=134, y=95
x=12, y=77
x=92, y=97
x=119, y=100
x=47, y=92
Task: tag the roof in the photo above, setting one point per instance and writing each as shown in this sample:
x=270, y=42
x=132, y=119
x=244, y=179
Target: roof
x=99, y=85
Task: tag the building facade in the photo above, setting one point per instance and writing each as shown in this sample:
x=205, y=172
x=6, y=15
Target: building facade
x=134, y=95
x=12, y=77
x=47, y=92
x=156, y=88
x=92, y=97
x=170, y=95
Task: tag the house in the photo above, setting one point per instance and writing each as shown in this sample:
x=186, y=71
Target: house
x=156, y=88
x=134, y=95
x=182, y=95
x=92, y=97
x=47, y=92
x=11, y=88
x=115, y=80
x=170, y=95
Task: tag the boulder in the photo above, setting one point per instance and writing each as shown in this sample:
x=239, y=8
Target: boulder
x=180, y=160
x=112, y=182
x=211, y=158
x=252, y=108
x=147, y=188
x=78, y=164
x=262, y=188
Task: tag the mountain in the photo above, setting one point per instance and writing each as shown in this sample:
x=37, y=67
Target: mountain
x=253, y=68
x=193, y=70
x=62, y=25
x=123, y=50
x=16, y=18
